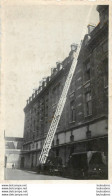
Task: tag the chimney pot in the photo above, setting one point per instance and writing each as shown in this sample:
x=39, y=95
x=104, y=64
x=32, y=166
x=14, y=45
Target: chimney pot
x=74, y=47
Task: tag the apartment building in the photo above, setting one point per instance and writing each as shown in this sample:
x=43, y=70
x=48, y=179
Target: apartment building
x=84, y=122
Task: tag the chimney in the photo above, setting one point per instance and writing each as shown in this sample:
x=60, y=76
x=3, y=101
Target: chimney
x=48, y=79
x=29, y=99
x=58, y=64
x=40, y=88
x=40, y=85
x=53, y=71
x=74, y=47
x=32, y=96
x=44, y=82
x=36, y=92
x=90, y=28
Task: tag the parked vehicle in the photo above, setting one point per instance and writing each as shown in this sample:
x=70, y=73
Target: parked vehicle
x=98, y=168
x=53, y=166
x=87, y=165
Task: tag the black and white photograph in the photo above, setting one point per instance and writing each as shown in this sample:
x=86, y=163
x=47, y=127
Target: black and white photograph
x=55, y=80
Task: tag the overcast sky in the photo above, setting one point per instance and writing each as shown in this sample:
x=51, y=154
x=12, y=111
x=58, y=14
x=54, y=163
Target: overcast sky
x=34, y=39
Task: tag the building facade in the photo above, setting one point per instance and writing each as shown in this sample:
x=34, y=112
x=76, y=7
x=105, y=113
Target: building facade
x=13, y=146
x=84, y=122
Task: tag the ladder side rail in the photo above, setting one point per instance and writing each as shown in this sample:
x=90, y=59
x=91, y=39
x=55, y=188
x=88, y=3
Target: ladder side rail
x=49, y=140
x=46, y=141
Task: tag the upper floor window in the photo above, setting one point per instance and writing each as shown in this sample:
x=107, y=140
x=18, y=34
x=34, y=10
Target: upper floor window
x=87, y=73
x=88, y=104
x=33, y=136
x=36, y=145
x=106, y=73
x=34, y=124
x=56, y=93
x=41, y=144
x=57, y=152
x=72, y=138
x=53, y=143
x=72, y=111
x=57, y=141
x=88, y=133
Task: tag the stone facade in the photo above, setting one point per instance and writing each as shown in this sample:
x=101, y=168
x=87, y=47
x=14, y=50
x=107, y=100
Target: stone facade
x=84, y=122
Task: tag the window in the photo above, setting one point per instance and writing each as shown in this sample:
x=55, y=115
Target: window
x=36, y=145
x=42, y=129
x=72, y=111
x=56, y=93
x=71, y=149
x=33, y=135
x=88, y=134
x=46, y=111
x=34, y=109
x=41, y=145
x=72, y=138
x=57, y=141
x=88, y=100
x=34, y=124
x=33, y=145
x=57, y=152
x=53, y=143
x=53, y=114
x=87, y=71
x=106, y=73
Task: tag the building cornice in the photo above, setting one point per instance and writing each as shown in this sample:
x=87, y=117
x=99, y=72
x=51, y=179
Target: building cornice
x=102, y=117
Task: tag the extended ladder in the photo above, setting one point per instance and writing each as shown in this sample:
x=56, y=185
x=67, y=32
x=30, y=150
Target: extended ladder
x=58, y=112
x=60, y=106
